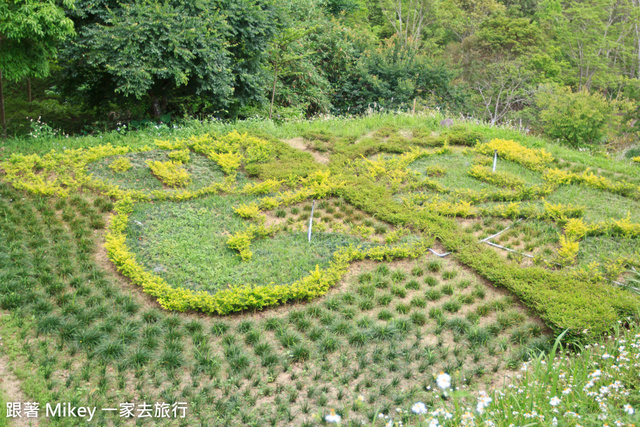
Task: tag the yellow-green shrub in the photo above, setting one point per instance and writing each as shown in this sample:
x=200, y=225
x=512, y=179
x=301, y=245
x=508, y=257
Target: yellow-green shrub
x=395, y=235
x=240, y=242
x=576, y=229
x=501, y=179
x=121, y=164
x=55, y=173
x=228, y=162
x=562, y=212
x=362, y=231
x=265, y=187
x=322, y=183
x=247, y=211
x=589, y=179
x=622, y=227
x=435, y=170
x=178, y=144
x=170, y=173
x=181, y=156
x=462, y=208
x=557, y=176
x=268, y=203
x=625, y=227
x=568, y=250
x=532, y=158
x=229, y=150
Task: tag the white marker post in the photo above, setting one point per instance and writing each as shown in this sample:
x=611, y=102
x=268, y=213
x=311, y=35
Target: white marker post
x=495, y=159
x=313, y=205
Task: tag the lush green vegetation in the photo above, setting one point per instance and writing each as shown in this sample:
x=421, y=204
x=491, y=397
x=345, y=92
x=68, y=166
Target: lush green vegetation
x=564, y=69
x=362, y=320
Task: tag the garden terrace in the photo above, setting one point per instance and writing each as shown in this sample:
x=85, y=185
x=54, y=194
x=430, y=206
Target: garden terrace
x=379, y=333
x=183, y=271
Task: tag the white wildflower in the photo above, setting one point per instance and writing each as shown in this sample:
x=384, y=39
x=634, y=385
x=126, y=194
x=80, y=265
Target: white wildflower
x=333, y=417
x=443, y=380
x=419, y=408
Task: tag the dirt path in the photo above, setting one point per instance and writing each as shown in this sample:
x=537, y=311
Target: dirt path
x=298, y=144
x=12, y=392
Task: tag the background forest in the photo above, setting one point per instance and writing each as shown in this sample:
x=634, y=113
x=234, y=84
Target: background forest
x=566, y=69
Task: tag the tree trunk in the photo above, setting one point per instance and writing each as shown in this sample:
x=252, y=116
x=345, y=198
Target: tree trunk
x=3, y=120
x=155, y=107
x=29, y=97
x=273, y=92
x=638, y=40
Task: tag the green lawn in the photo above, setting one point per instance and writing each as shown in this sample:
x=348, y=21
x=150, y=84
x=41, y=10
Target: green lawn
x=457, y=165
x=600, y=205
x=186, y=244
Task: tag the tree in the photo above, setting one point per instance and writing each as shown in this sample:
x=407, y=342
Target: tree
x=29, y=34
x=464, y=17
x=576, y=118
x=393, y=76
x=635, y=15
x=594, y=36
x=250, y=28
x=282, y=54
x=501, y=87
x=497, y=65
x=154, y=52
x=408, y=18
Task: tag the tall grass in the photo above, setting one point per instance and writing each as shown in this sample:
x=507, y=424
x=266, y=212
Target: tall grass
x=347, y=127
x=597, y=385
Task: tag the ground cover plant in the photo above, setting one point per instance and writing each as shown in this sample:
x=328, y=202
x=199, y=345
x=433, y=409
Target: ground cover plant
x=211, y=294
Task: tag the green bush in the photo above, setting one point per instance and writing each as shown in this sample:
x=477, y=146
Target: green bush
x=461, y=135
x=576, y=118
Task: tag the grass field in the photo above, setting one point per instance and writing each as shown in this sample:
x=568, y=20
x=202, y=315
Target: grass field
x=186, y=244
x=114, y=293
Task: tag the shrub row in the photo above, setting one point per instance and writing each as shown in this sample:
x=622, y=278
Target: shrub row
x=577, y=229
x=626, y=189
x=55, y=173
x=500, y=179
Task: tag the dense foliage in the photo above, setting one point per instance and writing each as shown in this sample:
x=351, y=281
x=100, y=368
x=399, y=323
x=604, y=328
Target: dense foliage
x=137, y=63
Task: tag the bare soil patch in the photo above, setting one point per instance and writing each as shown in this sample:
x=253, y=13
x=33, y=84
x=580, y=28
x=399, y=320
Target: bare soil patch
x=298, y=144
x=11, y=390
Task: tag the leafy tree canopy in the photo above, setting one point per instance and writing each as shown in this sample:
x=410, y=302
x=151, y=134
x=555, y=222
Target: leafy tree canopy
x=29, y=33
x=165, y=52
